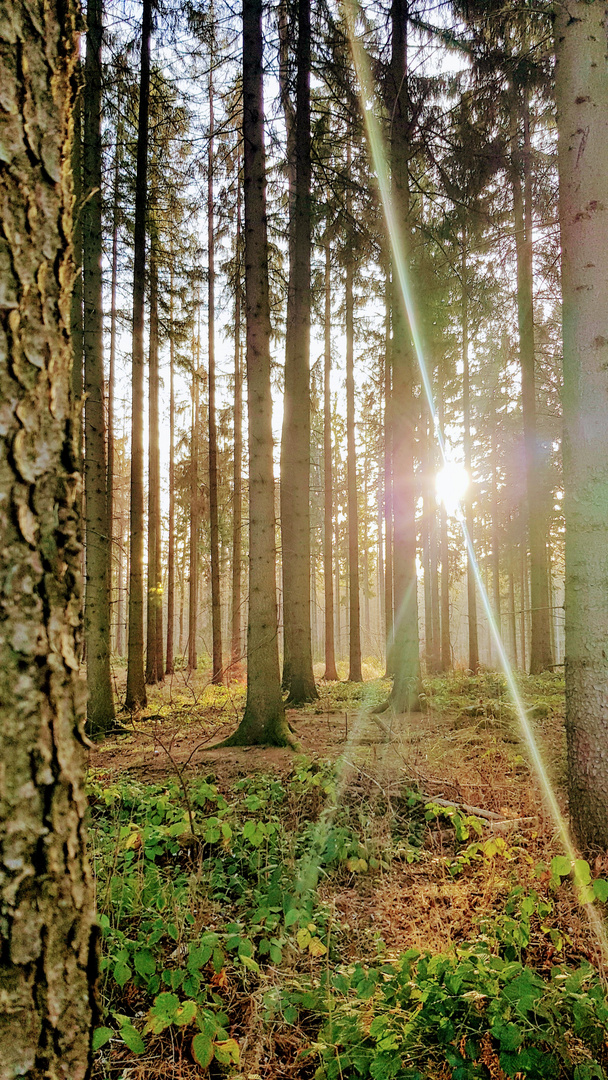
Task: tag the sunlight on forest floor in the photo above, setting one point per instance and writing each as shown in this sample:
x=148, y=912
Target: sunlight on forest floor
x=273, y=872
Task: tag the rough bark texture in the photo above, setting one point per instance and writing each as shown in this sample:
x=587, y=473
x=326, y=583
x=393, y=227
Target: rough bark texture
x=47, y=959
x=407, y=684
x=100, y=706
x=444, y=548
x=136, y=687
x=582, y=101
x=541, y=657
x=388, y=482
x=264, y=719
x=298, y=678
x=116, y=547
x=214, y=538
x=331, y=673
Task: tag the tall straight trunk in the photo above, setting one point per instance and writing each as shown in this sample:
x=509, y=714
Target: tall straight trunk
x=182, y=599
x=76, y=321
x=522, y=599
x=495, y=545
x=330, y=656
x=154, y=656
x=194, y=507
x=170, y=660
x=468, y=501
x=100, y=704
x=237, y=482
x=216, y=608
x=426, y=542
x=366, y=636
x=354, y=628
x=512, y=613
x=389, y=623
x=407, y=685
x=136, y=686
x=48, y=958
x=434, y=557
x=298, y=677
x=540, y=638
x=264, y=720
x=113, y=321
x=338, y=607
x=446, y=646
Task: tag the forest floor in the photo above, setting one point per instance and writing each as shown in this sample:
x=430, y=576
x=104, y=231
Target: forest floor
x=257, y=904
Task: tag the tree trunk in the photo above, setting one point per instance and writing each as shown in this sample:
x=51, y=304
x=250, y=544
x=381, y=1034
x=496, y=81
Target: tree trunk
x=112, y=363
x=388, y=485
x=237, y=485
x=446, y=646
x=513, y=614
x=495, y=545
x=354, y=627
x=298, y=677
x=100, y=706
x=331, y=674
x=466, y=438
x=154, y=660
x=582, y=101
x=170, y=661
x=264, y=720
x=214, y=553
x=540, y=637
x=407, y=685
x=194, y=514
x=48, y=960
x=136, y=687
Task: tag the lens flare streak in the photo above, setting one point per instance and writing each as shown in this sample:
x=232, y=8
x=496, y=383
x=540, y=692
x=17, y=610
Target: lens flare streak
x=380, y=166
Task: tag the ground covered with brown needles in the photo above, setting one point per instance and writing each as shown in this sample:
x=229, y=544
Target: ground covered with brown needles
x=391, y=901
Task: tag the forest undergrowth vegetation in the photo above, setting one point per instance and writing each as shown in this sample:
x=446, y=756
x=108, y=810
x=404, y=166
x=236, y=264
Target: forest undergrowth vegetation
x=392, y=902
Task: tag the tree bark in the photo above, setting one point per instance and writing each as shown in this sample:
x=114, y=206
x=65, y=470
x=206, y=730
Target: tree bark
x=48, y=958
x=468, y=500
x=100, y=706
x=170, y=659
x=298, y=677
x=154, y=656
x=389, y=622
x=264, y=720
x=446, y=646
x=112, y=362
x=136, y=686
x=194, y=508
x=237, y=483
x=331, y=673
x=407, y=685
x=582, y=102
x=354, y=625
x=541, y=657
x=214, y=553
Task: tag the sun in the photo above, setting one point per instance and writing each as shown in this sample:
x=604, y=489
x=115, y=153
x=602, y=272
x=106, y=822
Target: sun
x=451, y=485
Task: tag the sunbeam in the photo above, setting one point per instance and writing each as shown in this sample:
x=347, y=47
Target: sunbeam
x=379, y=162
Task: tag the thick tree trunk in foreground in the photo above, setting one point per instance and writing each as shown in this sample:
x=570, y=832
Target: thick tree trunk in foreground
x=264, y=719
x=100, y=706
x=214, y=552
x=541, y=656
x=444, y=548
x=407, y=684
x=389, y=624
x=298, y=677
x=47, y=962
x=331, y=673
x=136, y=687
x=582, y=103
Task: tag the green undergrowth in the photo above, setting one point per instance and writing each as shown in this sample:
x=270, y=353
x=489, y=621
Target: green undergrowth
x=209, y=900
